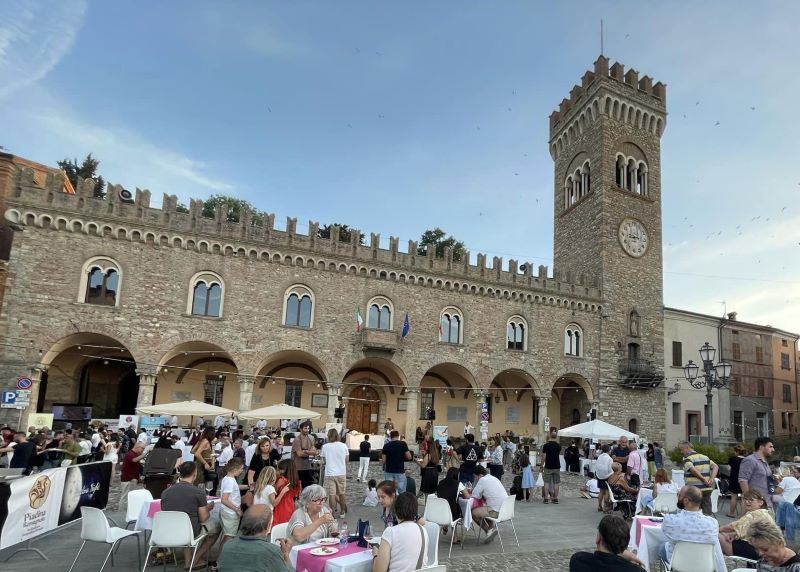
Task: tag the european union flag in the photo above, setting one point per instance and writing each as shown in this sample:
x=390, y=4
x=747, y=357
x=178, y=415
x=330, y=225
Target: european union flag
x=406, y=327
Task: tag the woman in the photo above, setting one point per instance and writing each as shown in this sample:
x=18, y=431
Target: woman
x=622, y=490
x=312, y=519
x=733, y=486
x=651, y=460
x=768, y=541
x=259, y=461
x=387, y=495
x=663, y=484
x=732, y=536
x=202, y=452
x=448, y=489
x=404, y=547
x=574, y=463
x=429, y=467
x=111, y=453
x=495, y=463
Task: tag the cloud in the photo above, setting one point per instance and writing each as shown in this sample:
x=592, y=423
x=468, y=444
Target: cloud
x=34, y=39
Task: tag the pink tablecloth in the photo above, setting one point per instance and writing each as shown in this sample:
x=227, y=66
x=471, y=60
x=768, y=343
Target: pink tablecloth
x=307, y=562
x=640, y=522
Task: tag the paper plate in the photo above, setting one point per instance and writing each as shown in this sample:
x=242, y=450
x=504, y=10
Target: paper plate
x=327, y=542
x=324, y=551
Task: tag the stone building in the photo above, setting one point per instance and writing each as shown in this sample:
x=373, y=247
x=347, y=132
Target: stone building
x=114, y=303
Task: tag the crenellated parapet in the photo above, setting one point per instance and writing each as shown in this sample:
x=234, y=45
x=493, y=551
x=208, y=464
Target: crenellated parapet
x=129, y=216
x=610, y=92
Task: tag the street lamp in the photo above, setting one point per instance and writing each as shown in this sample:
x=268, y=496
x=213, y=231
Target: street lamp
x=714, y=377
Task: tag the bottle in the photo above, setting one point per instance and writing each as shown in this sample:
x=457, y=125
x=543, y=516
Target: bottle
x=343, y=534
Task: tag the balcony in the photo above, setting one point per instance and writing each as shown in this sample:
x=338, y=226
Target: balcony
x=639, y=374
x=379, y=341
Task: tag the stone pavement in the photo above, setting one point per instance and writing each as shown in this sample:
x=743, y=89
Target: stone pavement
x=548, y=535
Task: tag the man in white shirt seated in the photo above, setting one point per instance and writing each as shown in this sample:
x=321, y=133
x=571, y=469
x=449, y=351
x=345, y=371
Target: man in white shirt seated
x=491, y=490
x=690, y=525
x=786, y=491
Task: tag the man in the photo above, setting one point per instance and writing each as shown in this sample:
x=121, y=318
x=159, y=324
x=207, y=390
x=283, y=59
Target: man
x=70, y=448
x=53, y=459
x=302, y=449
x=24, y=452
x=238, y=450
x=620, y=453
x=551, y=464
x=603, y=470
x=788, y=485
x=335, y=455
x=365, y=449
x=388, y=427
x=754, y=471
x=261, y=425
x=185, y=497
x=86, y=448
x=393, y=458
x=613, y=535
x=699, y=471
x=220, y=421
x=634, y=466
x=224, y=455
x=130, y=473
x=249, y=451
x=491, y=490
x=252, y=551
x=143, y=437
x=691, y=525
x=469, y=455
x=468, y=429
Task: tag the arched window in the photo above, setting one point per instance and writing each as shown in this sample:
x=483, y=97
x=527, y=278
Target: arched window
x=631, y=175
x=577, y=185
x=641, y=179
x=517, y=333
x=298, y=306
x=381, y=314
x=101, y=278
x=451, y=326
x=573, y=341
x=205, y=295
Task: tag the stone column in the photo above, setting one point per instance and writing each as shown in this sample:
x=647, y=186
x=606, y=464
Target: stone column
x=246, y=384
x=722, y=410
x=412, y=413
x=147, y=386
x=333, y=401
x=480, y=398
x=543, y=403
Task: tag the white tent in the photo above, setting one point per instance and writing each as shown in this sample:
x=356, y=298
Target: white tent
x=280, y=411
x=596, y=429
x=194, y=408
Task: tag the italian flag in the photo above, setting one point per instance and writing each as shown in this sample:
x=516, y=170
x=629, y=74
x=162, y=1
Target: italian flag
x=359, y=319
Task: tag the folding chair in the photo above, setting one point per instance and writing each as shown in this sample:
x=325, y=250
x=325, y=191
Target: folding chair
x=615, y=502
x=665, y=502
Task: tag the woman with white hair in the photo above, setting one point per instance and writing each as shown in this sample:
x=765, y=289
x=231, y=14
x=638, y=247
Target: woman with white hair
x=313, y=519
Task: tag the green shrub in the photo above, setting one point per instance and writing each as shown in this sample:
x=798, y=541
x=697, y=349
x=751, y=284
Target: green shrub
x=719, y=456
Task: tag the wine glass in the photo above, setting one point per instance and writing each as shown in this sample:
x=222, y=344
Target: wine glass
x=209, y=486
x=333, y=528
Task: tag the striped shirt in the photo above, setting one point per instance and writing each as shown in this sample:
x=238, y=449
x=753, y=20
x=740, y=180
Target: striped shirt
x=702, y=465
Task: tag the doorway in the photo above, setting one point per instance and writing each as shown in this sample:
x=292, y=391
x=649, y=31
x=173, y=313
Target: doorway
x=692, y=424
x=362, y=410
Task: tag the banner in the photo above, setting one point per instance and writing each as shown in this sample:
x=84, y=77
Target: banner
x=31, y=506
x=150, y=424
x=126, y=421
x=440, y=434
x=40, y=420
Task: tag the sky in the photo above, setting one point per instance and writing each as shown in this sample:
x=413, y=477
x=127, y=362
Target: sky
x=397, y=117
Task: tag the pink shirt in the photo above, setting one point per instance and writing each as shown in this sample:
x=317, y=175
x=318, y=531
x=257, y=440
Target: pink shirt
x=635, y=464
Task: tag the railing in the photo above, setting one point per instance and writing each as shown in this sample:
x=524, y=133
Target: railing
x=639, y=374
x=379, y=340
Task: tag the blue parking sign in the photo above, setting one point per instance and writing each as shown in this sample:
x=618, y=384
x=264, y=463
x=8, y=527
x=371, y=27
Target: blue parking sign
x=9, y=398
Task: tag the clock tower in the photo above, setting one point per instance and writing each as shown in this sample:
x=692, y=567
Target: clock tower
x=605, y=143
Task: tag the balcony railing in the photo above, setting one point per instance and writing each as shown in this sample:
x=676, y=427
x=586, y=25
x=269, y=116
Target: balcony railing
x=640, y=374
x=379, y=340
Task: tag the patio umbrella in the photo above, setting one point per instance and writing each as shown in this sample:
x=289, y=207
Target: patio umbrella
x=596, y=429
x=194, y=408
x=280, y=411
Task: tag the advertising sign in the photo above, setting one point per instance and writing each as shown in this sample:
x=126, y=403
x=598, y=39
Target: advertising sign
x=40, y=420
x=126, y=421
x=150, y=424
x=33, y=504
x=440, y=434
x=84, y=485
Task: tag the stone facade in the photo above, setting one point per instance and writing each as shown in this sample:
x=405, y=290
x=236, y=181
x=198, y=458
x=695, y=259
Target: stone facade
x=148, y=328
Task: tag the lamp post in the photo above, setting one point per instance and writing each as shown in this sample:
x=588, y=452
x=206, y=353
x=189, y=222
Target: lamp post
x=714, y=377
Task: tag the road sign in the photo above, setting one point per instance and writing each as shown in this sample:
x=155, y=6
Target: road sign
x=484, y=415
x=10, y=401
x=24, y=383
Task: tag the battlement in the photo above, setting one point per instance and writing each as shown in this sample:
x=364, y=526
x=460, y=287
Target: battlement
x=120, y=217
x=641, y=90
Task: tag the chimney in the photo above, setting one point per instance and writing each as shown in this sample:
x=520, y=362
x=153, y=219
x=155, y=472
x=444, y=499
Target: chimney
x=732, y=316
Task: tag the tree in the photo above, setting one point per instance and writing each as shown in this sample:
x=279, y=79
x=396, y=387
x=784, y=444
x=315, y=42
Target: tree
x=345, y=232
x=436, y=238
x=235, y=207
x=86, y=170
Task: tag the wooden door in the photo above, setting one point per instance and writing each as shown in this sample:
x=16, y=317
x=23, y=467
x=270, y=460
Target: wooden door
x=362, y=405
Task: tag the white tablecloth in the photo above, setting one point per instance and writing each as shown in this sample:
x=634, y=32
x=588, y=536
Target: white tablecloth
x=144, y=522
x=645, y=496
x=466, y=511
x=588, y=462
x=359, y=562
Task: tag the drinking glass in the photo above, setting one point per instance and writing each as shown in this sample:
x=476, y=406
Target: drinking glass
x=368, y=532
x=333, y=528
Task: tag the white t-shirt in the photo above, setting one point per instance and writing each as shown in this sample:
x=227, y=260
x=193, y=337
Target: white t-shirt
x=143, y=437
x=229, y=485
x=492, y=490
x=261, y=424
x=335, y=455
x=591, y=486
x=263, y=498
x=249, y=451
x=404, y=541
x=225, y=456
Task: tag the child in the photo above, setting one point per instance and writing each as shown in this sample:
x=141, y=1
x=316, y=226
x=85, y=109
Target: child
x=264, y=490
x=371, y=498
x=527, y=476
x=590, y=490
x=288, y=487
x=229, y=489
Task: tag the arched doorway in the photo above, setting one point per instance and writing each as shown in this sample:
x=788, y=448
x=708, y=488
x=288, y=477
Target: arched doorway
x=514, y=397
x=447, y=397
x=198, y=370
x=572, y=400
x=363, y=407
x=292, y=377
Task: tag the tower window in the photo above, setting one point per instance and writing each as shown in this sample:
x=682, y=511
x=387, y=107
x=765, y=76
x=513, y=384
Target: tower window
x=573, y=341
x=516, y=332
x=577, y=185
x=100, y=282
x=631, y=175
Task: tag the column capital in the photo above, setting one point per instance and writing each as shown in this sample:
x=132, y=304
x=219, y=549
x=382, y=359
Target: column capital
x=413, y=390
x=481, y=394
x=147, y=374
x=247, y=381
x=543, y=401
x=334, y=387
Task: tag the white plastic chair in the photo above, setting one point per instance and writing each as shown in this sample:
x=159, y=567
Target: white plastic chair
x=172, y=529
x=279, y=531
x=665, y=502
x=506, y=514
x=95, y=528
x=437, y=511
x=715, y=501
x=691, y=557
x=433, y=543
x=136, y=499
x=615, y=502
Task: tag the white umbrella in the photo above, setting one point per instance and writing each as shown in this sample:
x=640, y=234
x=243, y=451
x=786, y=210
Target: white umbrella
x=280, y=411
x=596, y=429
x=194, y=408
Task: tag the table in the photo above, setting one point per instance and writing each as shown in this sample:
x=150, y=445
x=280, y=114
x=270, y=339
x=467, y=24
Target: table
x=149, y=510
x=588, y=462
x=466, y=512
x=358, y=561
x=646, y=539
x=644, y=497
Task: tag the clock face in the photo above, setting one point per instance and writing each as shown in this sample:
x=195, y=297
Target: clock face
x=633, y=237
